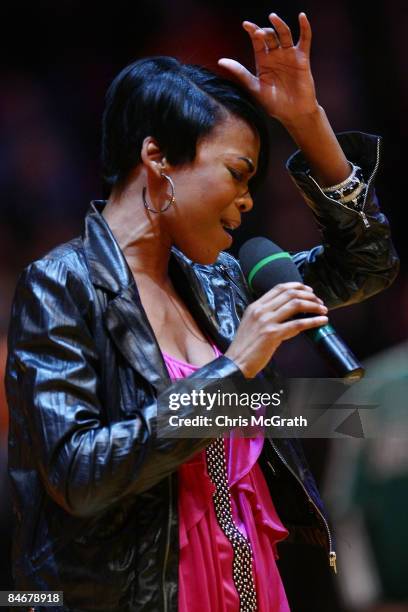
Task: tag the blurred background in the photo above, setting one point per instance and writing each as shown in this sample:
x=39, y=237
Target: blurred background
x=58, y=60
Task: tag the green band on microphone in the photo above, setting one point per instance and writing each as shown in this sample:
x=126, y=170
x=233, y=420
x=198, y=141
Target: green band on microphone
x=318, y=333
x=263, y=262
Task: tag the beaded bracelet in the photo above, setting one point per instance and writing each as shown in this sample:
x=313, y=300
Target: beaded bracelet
x=351, y=191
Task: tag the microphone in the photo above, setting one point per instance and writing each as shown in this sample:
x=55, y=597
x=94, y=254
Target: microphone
x=265, y=265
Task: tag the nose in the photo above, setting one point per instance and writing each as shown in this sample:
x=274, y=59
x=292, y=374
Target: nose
x=245, y=202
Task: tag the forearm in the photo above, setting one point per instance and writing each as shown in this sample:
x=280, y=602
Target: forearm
x=358, y=258
x=314, y=135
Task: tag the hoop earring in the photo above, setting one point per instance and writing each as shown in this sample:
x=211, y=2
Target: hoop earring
x=170, y=202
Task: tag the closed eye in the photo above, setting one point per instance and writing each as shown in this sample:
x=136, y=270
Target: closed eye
x=237, y=175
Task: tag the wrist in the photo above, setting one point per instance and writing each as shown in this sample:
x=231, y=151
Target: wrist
x=239, y=363
x=305, y=121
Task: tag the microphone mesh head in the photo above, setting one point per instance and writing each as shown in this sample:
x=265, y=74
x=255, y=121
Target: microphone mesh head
x=265, y=265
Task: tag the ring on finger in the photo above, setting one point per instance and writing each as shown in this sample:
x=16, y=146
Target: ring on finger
x=271, y=41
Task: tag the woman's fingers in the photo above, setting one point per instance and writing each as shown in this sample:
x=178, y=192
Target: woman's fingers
x=267, y=39
x=293, y=328
x=281, y=288
x=294, y=294
x=256, y=35
x=286, y=300
x=261, y=41
x=263, y=328
x=297, y=307
x=282, y=29
x=305, y=38
x=239, y=71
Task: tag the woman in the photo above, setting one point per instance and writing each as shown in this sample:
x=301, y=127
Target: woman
x=106, y=326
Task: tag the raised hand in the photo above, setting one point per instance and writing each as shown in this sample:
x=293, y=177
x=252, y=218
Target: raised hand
x=283, y=83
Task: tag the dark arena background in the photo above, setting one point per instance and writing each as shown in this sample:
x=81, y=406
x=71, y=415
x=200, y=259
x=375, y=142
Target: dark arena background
x=58, y=59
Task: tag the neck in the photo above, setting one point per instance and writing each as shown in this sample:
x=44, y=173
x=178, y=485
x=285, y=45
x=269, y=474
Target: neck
x=140, y=235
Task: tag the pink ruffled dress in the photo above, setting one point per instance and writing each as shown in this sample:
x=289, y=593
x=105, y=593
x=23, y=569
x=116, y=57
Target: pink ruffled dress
x=206, y=577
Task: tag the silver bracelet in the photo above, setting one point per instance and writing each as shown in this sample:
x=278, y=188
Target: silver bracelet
x=345, y=182
x=351, y=191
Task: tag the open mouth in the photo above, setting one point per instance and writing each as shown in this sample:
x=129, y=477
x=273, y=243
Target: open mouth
x=229, y=226
x=227, y=230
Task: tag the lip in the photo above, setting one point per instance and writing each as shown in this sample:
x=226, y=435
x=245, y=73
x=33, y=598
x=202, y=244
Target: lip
x=230, y=238
x=231, y=223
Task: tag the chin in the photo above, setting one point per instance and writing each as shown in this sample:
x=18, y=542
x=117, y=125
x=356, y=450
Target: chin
x=204, y=260
x=207, y=261
x=205, y=257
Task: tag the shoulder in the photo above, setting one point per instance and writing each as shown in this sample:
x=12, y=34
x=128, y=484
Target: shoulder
x=61, y=270
x=67, y=256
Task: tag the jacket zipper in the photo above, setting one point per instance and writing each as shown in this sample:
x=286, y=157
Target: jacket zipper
x=166, y=551
x=332, y=553
x=359, y=212
x=224, y=268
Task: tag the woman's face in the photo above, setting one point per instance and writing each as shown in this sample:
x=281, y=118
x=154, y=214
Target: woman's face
x=213, y=190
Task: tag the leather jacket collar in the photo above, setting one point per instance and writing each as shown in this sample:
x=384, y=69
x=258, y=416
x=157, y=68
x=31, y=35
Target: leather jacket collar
x=125, y=316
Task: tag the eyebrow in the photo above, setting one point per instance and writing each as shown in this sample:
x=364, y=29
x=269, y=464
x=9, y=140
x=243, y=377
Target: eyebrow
x=249, y=162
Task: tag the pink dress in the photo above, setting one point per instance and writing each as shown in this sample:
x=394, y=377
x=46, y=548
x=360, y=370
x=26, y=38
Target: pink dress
x=206, y=574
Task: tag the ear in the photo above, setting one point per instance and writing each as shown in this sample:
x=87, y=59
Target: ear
x=152, y=156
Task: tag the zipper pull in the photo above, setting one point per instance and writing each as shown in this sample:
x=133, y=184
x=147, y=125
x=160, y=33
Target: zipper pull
x=272, y=468
x=332, y=561
x=366, y=222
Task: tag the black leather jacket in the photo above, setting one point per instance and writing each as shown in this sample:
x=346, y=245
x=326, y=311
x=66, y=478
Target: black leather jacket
x=95, y=490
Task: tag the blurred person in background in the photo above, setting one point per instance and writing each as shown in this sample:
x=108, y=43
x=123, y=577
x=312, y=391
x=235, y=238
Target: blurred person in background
x=367, y=491
x=106, y=326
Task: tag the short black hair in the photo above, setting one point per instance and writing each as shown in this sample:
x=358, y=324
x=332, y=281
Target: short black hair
x=177, y=104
